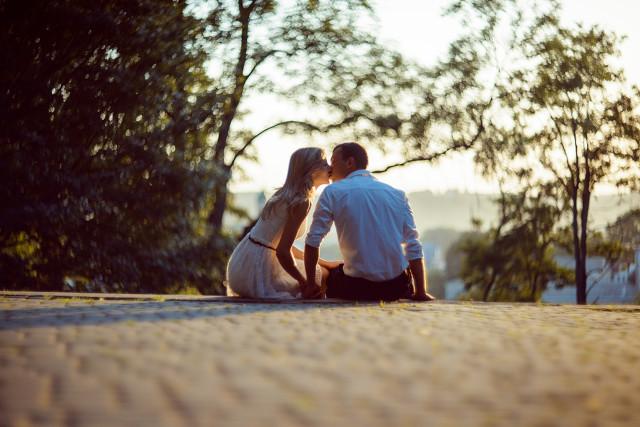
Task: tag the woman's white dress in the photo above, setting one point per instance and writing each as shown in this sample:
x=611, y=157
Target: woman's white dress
x=254, y=271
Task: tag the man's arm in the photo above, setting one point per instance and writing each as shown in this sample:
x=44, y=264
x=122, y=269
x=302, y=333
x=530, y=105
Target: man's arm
x=322, y=221
x=311, y=256
x=413, y=250
x=284, y=253
x=420, y=283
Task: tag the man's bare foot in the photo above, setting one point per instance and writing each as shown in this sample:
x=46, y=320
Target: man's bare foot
x=423, y=296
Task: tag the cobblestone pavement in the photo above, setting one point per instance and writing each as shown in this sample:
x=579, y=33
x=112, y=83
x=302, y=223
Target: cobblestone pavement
x=190, y=363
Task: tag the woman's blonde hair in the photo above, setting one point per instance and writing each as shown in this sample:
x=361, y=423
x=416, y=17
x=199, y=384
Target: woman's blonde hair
x=298, y=187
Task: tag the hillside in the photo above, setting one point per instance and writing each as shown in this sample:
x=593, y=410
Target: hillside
x=454, y=210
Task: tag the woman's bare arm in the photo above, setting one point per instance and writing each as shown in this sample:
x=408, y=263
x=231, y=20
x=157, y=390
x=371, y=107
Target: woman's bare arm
x=285, y=248
x=328, y=264
x=298, y=254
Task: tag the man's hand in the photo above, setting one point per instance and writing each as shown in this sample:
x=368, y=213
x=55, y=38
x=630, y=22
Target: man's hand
x=311, y=291
x=419, y=274
x=422, y=296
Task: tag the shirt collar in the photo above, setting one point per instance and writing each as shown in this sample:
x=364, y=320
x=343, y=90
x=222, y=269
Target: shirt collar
x=359, y=172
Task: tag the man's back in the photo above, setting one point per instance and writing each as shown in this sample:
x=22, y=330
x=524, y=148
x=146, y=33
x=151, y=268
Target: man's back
x=373, y=221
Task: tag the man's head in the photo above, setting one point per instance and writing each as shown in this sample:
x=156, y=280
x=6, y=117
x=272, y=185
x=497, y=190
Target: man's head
x=346, y=158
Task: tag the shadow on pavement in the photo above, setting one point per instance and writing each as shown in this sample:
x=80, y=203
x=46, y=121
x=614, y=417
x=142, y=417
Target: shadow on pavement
x=99, y=313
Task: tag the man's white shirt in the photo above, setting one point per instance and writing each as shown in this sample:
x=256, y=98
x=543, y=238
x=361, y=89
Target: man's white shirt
x=376, y=230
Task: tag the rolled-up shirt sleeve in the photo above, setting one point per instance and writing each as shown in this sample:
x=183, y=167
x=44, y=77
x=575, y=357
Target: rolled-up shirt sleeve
x=413, y=247
x=322, y=220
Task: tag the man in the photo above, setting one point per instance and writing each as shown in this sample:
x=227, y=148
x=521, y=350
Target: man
x=376, y=233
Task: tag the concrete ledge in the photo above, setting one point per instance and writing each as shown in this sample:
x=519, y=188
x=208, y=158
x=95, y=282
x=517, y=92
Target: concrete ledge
x=239, y=300
x=169, y=297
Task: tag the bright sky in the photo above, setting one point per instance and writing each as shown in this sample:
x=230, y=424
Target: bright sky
x=417, y=29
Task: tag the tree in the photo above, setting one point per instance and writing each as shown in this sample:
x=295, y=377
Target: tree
x=626, y=231
x=130, y=142
x=565, y=113
x=104, y=105
x=324, y=58
x=515, y=259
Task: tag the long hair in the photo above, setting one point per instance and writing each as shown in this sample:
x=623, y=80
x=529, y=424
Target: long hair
x=298, y=187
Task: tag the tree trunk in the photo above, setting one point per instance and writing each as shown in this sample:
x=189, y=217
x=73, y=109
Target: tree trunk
x=534, y=287
x=581, y=284
x=580, y=267
x=230, y=110
x=487, y=291
x=489, y=286
x=219, y=206
x=581, y=280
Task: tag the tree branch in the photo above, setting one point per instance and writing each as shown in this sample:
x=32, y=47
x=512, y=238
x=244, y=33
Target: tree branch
x=249, y=141
x=561, y=140
x=433, y=156
x=261, y=59
x=309, y=126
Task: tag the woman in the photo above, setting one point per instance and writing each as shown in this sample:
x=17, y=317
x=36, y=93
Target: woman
x=265, y=264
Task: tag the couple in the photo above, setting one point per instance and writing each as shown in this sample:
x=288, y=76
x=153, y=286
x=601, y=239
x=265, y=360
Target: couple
x=376, y=232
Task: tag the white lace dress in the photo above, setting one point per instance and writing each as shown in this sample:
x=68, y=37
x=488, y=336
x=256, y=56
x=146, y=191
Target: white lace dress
x=253, y=271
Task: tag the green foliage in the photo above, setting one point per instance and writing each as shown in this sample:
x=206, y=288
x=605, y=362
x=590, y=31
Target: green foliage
x=324, y=58
x=104, y=105
x=454, y=256
x=564, y=114
x=626, y=232
x=437, y=280
x=119, y=146
x=514, y=260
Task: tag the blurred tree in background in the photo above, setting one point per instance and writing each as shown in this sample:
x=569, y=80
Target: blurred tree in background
x=125, y=121
x=514, y=260
x=104, y=109
x=118, y=147
x=323, y=58
x=564, y=114
x=310, y=53
x=626, y=231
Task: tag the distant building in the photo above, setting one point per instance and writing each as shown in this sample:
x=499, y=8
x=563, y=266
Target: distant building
x=453, y=288
x=606, y=284
x=638, y=267
x=433, y=256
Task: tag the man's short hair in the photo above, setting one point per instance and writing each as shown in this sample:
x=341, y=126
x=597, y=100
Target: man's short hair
x=355, y=150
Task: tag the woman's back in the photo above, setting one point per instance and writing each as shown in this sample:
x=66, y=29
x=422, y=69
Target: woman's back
x=269, y=230
x=254, y=270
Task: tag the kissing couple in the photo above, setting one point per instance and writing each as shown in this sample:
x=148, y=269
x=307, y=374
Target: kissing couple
x=377, y=235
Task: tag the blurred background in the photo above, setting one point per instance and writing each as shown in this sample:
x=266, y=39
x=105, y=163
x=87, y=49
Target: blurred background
x=140, y=138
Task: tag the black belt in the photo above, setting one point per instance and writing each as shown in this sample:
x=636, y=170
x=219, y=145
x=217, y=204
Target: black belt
x=261, y=244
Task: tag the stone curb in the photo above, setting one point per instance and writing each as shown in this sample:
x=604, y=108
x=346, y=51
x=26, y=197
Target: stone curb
x=239, y=300
x=183, y=298
x=160, y=297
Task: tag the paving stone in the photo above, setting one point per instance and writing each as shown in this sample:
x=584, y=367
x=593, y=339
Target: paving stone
x=199, y=363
